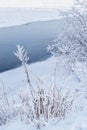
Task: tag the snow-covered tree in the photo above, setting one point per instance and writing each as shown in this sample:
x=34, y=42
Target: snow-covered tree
x=72, y=42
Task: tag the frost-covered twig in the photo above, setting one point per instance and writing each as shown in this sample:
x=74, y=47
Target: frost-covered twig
x=22, y=56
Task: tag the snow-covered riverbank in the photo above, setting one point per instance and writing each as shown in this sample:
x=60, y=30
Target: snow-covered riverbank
x=14, y=80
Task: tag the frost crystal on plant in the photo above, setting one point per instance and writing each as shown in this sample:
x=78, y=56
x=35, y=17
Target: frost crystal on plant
x=21, y=54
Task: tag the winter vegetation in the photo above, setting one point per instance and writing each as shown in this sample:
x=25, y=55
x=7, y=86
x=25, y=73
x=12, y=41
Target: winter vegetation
x=37, y=105
x=72, y=42
x=59, y=102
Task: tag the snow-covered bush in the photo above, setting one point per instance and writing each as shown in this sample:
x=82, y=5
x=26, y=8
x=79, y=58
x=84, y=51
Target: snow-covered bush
x=49, y=103
x=72, y=42
x=38, y=104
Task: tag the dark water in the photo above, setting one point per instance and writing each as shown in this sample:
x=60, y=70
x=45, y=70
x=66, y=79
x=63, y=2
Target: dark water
x=35, y=38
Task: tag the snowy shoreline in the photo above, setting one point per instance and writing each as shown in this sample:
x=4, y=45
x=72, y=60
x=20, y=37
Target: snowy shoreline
x=18, y=16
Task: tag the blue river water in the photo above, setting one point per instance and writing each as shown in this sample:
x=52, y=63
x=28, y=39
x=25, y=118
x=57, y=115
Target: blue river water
x=35, y=37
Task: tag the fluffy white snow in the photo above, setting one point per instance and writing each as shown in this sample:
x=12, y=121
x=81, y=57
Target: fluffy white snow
x=14, y=81
x=18, y=16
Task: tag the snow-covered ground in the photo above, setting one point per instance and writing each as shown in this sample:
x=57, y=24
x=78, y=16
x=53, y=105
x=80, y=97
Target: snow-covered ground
x=18, y=16
x=76, y=119
x=14, y=80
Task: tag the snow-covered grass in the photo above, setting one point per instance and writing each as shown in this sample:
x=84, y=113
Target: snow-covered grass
x=76, y=119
